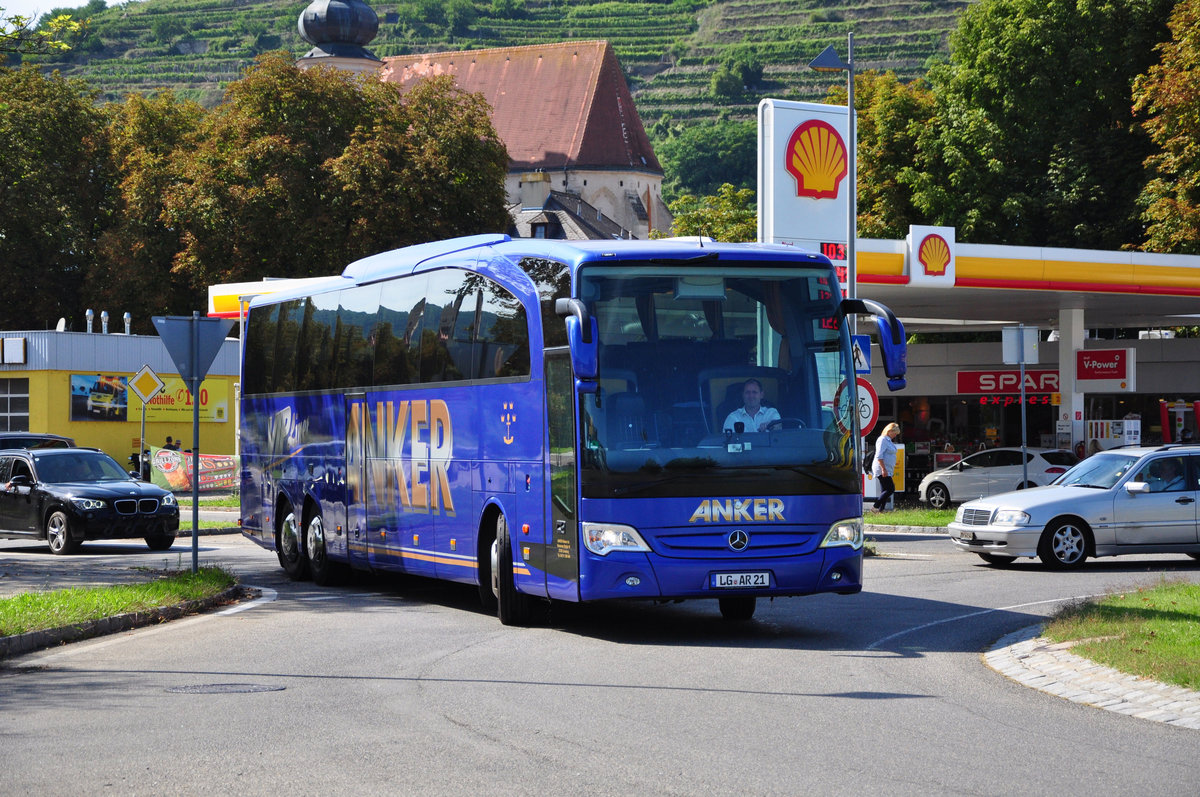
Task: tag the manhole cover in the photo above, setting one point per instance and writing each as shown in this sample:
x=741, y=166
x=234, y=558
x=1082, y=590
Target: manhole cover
x=224, y=689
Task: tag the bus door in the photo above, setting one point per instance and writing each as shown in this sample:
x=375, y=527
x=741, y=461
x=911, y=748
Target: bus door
x=356, y=477
x=561, y=551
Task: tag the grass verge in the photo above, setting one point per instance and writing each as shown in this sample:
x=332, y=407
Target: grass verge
x=911, y=517
x=1152, y=632
x=228, y=501
x=38, y=611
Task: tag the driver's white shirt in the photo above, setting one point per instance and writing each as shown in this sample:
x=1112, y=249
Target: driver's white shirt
x=756, y=423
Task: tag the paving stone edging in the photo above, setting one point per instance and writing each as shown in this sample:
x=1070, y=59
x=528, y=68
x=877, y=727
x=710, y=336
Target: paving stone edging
x=1034, y=661
x=28, y=642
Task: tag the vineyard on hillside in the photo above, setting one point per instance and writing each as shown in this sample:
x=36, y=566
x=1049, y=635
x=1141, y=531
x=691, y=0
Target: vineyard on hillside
x=669, y=50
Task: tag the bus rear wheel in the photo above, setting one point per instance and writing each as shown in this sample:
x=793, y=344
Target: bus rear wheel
x=738, y=607
x=512, y=607
x=290, y=547
x=324, y=571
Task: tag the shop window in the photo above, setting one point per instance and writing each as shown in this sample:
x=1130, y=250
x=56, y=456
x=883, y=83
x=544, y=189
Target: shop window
x=14, y=405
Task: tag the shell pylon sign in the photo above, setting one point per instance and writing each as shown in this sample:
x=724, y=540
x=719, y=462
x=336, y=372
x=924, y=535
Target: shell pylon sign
x=803, y=174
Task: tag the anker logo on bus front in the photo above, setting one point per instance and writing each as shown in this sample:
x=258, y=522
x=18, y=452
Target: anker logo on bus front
x=739, y=540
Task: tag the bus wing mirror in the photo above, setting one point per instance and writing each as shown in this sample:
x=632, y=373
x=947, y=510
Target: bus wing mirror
x=892, y=343
x=582, y=338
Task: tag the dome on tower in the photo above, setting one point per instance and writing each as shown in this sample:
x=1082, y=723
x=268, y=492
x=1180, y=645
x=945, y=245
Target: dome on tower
x=338, y=28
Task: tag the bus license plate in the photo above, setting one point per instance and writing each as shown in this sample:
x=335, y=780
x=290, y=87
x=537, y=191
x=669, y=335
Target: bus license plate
x=741, y=580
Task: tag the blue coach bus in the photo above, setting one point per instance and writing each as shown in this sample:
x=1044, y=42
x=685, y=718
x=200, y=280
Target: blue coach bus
x=549, y=420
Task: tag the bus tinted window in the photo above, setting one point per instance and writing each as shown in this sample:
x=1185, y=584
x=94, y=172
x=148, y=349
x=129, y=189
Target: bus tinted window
x=287, y=332
x=553, y=281
x=316, y=340
x=446, y=351
x=397, y=348
x=357, y=310
x=503, y=334
x=260, y=353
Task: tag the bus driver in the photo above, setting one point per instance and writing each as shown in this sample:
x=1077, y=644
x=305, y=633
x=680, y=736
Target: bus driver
x=753, y=416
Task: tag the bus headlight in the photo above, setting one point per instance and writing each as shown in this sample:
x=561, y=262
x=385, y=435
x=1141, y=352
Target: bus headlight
x=604, y=538
x=848, y=532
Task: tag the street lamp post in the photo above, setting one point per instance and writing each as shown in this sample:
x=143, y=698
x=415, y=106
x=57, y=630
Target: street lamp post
x=828, y=61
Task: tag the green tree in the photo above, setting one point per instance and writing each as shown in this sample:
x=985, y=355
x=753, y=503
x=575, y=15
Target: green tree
x=731, y=215
x=891, y=117
x=300, y=172
x=1034, y=140
x=19, y=36
x=55, y=183
x=132, y=270
x=699, y=159
x=1168, y=98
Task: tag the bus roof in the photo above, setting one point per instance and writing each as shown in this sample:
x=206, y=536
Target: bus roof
x=409, y=259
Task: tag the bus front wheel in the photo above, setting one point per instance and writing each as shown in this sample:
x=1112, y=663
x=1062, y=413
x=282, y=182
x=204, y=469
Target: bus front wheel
x=512, y=607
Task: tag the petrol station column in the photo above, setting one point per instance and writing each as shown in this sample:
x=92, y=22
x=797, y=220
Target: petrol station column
x=1070, y=339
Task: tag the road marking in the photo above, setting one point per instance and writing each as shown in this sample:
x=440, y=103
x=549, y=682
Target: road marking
x=969, y=615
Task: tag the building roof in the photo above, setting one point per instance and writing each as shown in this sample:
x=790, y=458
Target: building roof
x=555, y=106
x=568, y=217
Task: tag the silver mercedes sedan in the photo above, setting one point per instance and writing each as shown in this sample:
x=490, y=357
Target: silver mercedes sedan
x=1122, y=501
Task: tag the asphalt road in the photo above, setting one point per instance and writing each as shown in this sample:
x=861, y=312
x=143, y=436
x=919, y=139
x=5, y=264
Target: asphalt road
x=398, y=686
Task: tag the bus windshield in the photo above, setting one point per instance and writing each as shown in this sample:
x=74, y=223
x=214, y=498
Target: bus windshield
x=717, y=380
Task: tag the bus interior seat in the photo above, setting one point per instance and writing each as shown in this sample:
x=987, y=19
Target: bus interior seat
x=627, y=422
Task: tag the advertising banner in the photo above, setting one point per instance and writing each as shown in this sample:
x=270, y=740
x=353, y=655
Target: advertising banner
x=172, y=470
x=174, y=402
x=99, y=397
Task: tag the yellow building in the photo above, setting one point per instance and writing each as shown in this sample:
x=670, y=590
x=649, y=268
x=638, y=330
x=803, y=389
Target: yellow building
x=77, y=384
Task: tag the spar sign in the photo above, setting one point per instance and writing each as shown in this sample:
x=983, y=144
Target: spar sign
x=1007, y=380
x=1105, y=371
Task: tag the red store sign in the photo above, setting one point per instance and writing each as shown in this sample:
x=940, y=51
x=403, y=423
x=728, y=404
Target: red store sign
x=1007, y=381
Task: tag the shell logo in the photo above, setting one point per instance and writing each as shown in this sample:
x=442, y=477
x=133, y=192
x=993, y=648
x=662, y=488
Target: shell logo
x=934, y=255
x=816, y=157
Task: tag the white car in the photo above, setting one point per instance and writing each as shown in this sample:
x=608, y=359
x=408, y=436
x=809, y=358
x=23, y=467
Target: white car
x=1126, y=500
x=996, y=470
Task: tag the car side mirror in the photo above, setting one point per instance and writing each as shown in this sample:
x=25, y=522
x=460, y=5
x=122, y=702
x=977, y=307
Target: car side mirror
x=20, y=480
x=1137, y=487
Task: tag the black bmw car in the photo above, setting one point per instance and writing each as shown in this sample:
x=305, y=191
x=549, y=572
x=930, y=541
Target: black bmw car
x=68, y=495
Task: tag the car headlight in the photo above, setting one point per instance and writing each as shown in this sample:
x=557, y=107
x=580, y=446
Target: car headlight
x=958, y=516
x=88, y=503
x=169, y=499
x=1010, y=517
x=604, y=538
x=848, y=532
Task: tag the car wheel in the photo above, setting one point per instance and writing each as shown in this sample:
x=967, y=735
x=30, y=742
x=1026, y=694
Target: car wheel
x=160, y=542
x=1063, y=545
x=324, y=571
x=938, y=496
x=512, y=607
x=290, y=546
x=58, y=534
x=997, y=561
x=737, y=607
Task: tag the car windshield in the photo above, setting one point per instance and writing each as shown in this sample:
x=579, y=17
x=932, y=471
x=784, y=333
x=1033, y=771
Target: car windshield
x=1099, y=470
x=90, y=466
x=717, y=381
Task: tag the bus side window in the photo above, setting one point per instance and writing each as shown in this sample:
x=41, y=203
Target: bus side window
x=397, y=332
x=503, y=334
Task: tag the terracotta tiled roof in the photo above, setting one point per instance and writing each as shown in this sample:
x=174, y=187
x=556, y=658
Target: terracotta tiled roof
x=555, y=106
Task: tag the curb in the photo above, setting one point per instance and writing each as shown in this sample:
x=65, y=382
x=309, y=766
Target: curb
x=1034, y=661
x=882, y=528
x=19, y=644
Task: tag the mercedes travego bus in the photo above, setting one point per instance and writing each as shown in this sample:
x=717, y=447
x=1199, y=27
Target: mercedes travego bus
x=556, y=420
